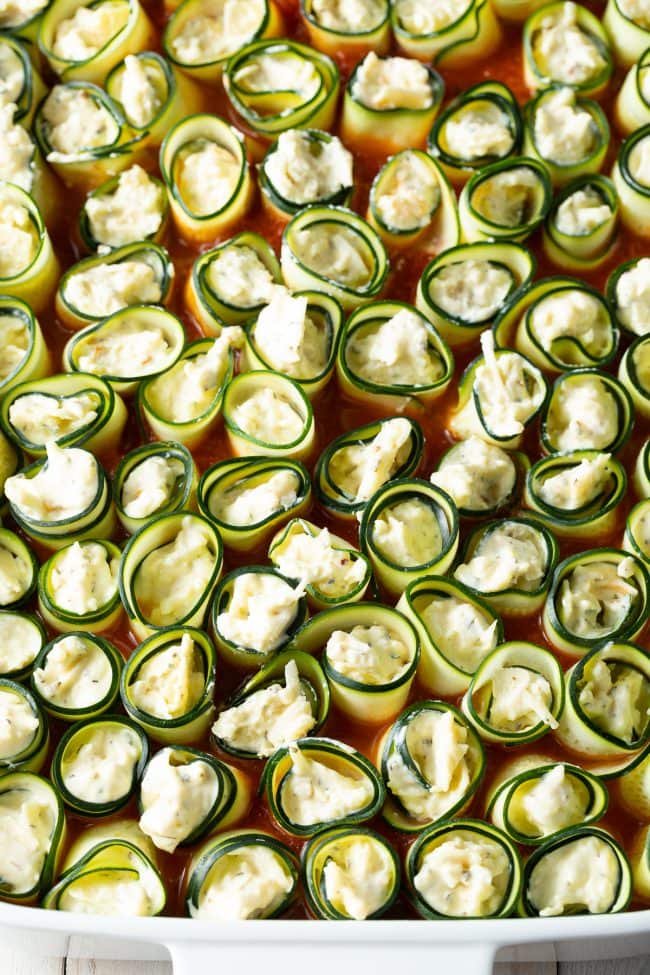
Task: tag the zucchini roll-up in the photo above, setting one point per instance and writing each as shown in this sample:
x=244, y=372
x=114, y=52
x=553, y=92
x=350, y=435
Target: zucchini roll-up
x=451, y=34
x=77, y=676
x=77, y=587
x=266, y=413
x=338, y=28
x=305, y=166
x=637, y=531
x=23, y=19
x=154, y=479
x=628, y=289
x=634, y=373
x=480, y=478
x=633, y=786
x=566, y=44
x=24, y=356
x=570, y=135
x=506, y=200
x=631, y=176
x=22, y=637
x=632, y=107
x=128, y=208
x=29, y=268
x=642, y=471
x=20, y=570
x=628, y=27
x=640, y=863
x=25, y=736
x=587, y=410
x=33, y=836
x=580, y=230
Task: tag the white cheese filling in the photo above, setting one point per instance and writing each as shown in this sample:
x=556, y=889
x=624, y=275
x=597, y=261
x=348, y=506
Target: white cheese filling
x=572, y=314
x=262, y=607
x=563, y=51
x=395, y=352
x=639, y=161
x=19, y=239
x=582, y=874
x=421, y=17
x=132, y=211
x=170, y=682
x=316, y=560
x=520, y=700
x=336, y=253
x=15, y=576
x=106, y=288
x=16, y=147
x=460, y=630
x=508, y=390
x=281, y=71
x=472, y=291
x=84, y=578
x=76, y=122
x=65, y=486
x=408, y=195
x=176, y=798
x=612, y=697
x=577, y=485
x=564, y=132
x=149, y=486
x=246, y=883
x=139, y=90
x=289, y=339
x=14, y=343
x=313, y=792
x=479, y=129
x=12, y=74
x=370, y=655
x=13, y=13
x=77, y=674
x=20, y=642
x=509, y=198
x=408, y=533
x=241, y=505
x=130, y=890
x=18, y=724
x=129, y=348
x=633, y=297
x=269, y=417
x=26, y=826
x=360, y=469
x=596, y=598
x=100, y=769
x=582, y=212
x=478, y=476
x=206, y=177
x=349, y=16
x=239, y=277
x=555, y=801
x=512, y=556
x=219, y=29
x=358, y=876
x=303, y=169
x=40, y=418
x=583, y=415
x=388, y=83
x=91, y=28
x=464, y=875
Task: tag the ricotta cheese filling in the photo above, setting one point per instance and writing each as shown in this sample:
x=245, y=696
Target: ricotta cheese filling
x=633, y=297
x=408, y=195
x=336, y=253
x=206, y=176
x=304, y=169
x=555, y=801
x=565, y=52
x=639, y=162
x=283, y=71
x=19, y=239
x=219, y=28
x=132, y=211
x=76, y=123
x=464, y=876
x=13, y=13
x=16, y=147
x=395, y=352
x=140, y=90
x=636, y=10
x=269, y=417
x=239, y=277
x=289, y=339
x=460, y=630
x=313, y=792
x=77, y=674
x=509, y=392
x=577, y=485
x=511, y=556
x=242, y=505
x=615, y=697
x=12, y=74
x=65, y=486
x=509, y=198
x=349, y=16
x=582, y=212
x=583, y=415
x=477, y=475
x=15, y=576
x=471, y=291
x=172, y=579
x=317, y=561
x=358, y=876
x=408, y=533
x=596, y=598
x=246, y=883
x=101, y=767
x=262, y=607
x=84, y=578
x=101, y=290
x=91, y=28
x=438, y=746
x=564, y=132
x=360, y=469
x=520, y=699
x=150, y=486
x=18, y=724
x=421, y=17
x=370, y=655
x=26, y=826
x=14, y=343
x=125, y=349
x=572, y=314
x=478, y=130
x=170, y=683
x=580, y=875
x=176, y=797
x=384, y=84
x=20, y=642
x=268, y=719
x=40, y=418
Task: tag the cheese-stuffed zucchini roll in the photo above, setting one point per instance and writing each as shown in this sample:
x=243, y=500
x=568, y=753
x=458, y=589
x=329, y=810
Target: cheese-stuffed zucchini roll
x=462, y=289
x=275, y=85
x=479, y=127
x=331, y=570
x=632, y=106
x=587, y=410
x=642, y=471
x=154, y=479
x=266, y=413
x=186, y=793
x=633, y=786
x=506, y=200
x=634, y=373
x=255, y=612
x=203, y=162
x=452, y=34
x=390, y=103
x=409, y=528
x=24, y=736
x=580, y=229
x=22, y=90
x=29, y=268
x=296, y=335
x=369, y=654
x=480, y=478
x=71, y=409
x=602, y=594
x=631, y=176
x=61, y=498
x=580, y=871
x=350, y=873
x=286, y=699
x=22, y=637
x=628, y=292
x=33, y=824
x=77, y=676
x=22, y=19
x=411, y=202
x=12, y=460
x=19, y=570
x=628, y=26
x=640, y=863
x=129, y=346
x=114, y=829
x=305, y=166
x=128, y=208
x=536, y=799
x=241, y=875
x=24, y=356
x=357, y=463
x=249, y=498
x=183, y=403
x=77, y=587
x=389, y=354
x=565, y=43
x=607, y=696
x=577, y=493
x=339, y=28
x=432, y=762
x=202, y=35
x=315, y=783
x=463, y=869
x=232, y=282
x=570, y=135
x=168, y=571
x=637, y=531
x=134, y=274
x=167, y=685
x=334, y=250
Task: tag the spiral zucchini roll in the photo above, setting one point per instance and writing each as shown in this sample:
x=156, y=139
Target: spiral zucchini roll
x=77, y=676
x=632, y=106
x=451, y=35
x=480, y=478
x=77, y=587
x=23, y=19
x=128, y=208
x=23, y=163
x=20, y=570
x=33, y=836
x=628, y=290
x=24, y=356
x=29, y=268
x=22, y=637
x=564, y=43
x=587, y=410
x=633, y=787
x=637, y=531
x=634, y=373
x=336, y=30
x=628, y=26
x=305, y=166
x=580, y=230
x=631, y=176
x=25, y=735
x=570, y=135
x=268, y=414
x=154, y=479
x=506, y=200
x=642, y=471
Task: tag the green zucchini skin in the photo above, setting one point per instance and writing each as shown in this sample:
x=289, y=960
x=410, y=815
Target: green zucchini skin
x=116, y=663
x=183, y=494
x=32, y=757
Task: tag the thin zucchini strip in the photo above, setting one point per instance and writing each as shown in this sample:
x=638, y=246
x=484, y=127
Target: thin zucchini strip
x=488, y=883
x=629, y=30
x=632, y=182
x=640, y=863
x=633, y=788
x=24, y=356
x=20, y=570
x=34, y=832
x=634, y=373
x=627, y=289
x=22, y=637
x=286, y=188
x=25, y=737
x=637, y=532
x=481, y=478
x=587, y=410
x=453, y=35
x=154, y=479
x=350, y=874
x=126, y=209
x=77, y=587
x=123, y=828
x=23, y=22
x=77, y=676
x=632, y=106
x=12, y=460
x=336, y=31
x=506, y=200
x=268, y=414
x=29, y=269
x=570, y=135
x=642, y=471
x=580, y=229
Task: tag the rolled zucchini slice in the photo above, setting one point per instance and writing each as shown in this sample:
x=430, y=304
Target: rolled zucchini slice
x=77, y=587
x=631, y=177
x=247, y=499
x=305, y=166
x=357, y=463
x=642, y=471
x=634, y=373
x=640, y=863
x=506, y=200
x=488, y=883
x=479, y=127
x=637, y=531
x=564, y=43
x=109, y=876
x=23, y=20
x=34, y=835
x=461, y=290
x=29, y=269
x=275, y=85
x=98, y=286
x=633, y=787
x=255, y=612
x=480, y=478
x=154, y=479
x=336, y=31
x=19, y=570
x=22, y=637
x=232, y=282
x=296, y=335
x=11, y=460
x=24, y=165
x=213, y=890
x=426, y=733
x=315, y=783
x=390, y=353
x=24, y=86
x=168, y=571
x=203, y=162
x=580, y=230
x=632, y=106
x=390, y=103
x=587, y=410
x=268, y=414
x=288, y=698
x=24, y=356
x=628, y=288
x=570, y=135
x=451, y=36
x=77, y=676
x=121, y=829
x=350, y=874
x=332, y=249
x=369, y=655
x=550, y=888
x=628, y=27
x=70, y=409
x=128, y=208
x=25, y=736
